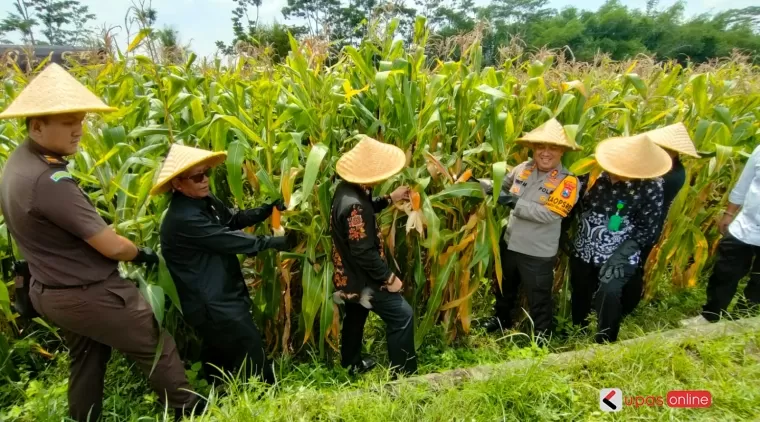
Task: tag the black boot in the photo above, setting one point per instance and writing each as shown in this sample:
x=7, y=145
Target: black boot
x=495, y=323
x=365, y=365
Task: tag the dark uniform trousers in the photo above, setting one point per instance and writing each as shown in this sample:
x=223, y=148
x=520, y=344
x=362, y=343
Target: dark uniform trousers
x=398, y=316
x=612, y=301
x=536, y=275
x=735, y=260
x=96, y=318
x=235, y=344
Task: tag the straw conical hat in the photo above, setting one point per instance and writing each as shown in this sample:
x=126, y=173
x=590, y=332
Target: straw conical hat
x=54, y=91
x=635, y=157
x=370, y=161
x=180, y=159
x=551, y=132
x=675, y=138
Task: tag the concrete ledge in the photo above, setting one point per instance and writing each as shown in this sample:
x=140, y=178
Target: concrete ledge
x=675, y=336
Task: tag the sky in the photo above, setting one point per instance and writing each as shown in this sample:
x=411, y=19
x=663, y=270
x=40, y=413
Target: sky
x=202, y=22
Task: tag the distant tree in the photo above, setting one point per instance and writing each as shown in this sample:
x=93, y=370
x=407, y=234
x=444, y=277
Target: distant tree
x=62, y=22
x=320, y=15
x=22, y=21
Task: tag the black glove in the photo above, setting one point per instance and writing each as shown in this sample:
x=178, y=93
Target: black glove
x=618, y=262
x=146, y=256
x=280, y=204
x=284, y=243
x=508, y=199
x=487, y=188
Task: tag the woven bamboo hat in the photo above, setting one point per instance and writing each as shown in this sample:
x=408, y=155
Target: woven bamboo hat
x=54, y=91
x=635, y=157
x=551, y=132
x=674, y=137
x=180, y=159
x=370, y=161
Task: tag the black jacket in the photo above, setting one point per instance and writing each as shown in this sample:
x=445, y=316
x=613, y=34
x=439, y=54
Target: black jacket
x=358, y=255
x=200, y=240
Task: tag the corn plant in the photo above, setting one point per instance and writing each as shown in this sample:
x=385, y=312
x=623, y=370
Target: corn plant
x=285, y=125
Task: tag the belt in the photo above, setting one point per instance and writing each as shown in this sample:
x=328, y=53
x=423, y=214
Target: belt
x=81, y=286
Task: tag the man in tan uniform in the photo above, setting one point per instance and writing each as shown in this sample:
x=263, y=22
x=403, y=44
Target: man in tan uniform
x=73, y=255
x=541, y=192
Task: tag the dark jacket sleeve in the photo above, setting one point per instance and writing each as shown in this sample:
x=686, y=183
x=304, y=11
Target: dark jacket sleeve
x=238, y=220
x=202, y=233
x=248, y=218
x=358, y=223
x=379, y=204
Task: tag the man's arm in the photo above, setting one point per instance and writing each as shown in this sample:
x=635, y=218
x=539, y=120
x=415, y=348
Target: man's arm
x=202, y=233
x=557, y=206
x=739, y=192
x=362, y=246
x=58, y=198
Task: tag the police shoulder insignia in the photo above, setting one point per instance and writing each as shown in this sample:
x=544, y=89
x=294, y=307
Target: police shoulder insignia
x=60, y=175
x=563, y=199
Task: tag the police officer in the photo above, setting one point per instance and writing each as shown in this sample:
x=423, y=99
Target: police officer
x=541, y=192
x=200, y=240
x=362, y=279
x=619, y=217
x=73, y=255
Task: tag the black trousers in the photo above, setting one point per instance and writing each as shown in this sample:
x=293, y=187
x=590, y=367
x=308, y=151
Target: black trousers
x=612, y=300
x=235, y=343
x=399, y=331
x=537, y=277
x=735, y=260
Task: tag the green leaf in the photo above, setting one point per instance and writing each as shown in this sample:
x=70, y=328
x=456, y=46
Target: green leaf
x=459, y=190
x=235, y=157
x=313, y=163
x=499, y=172
x=493, y=92
x=138, y=39
x=441, y=278
x=637, y=83
x=154, y=295
x=166, y=282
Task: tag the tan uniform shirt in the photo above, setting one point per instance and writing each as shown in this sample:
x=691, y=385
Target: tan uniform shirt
x=49, y=218
x=545, y=198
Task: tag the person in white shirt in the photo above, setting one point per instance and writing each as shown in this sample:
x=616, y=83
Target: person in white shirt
x=739, y=250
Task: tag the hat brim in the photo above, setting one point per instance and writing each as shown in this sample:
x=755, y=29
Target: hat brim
x=212, y=160
x=655, y=162
x=531, y=142
x=370, y=162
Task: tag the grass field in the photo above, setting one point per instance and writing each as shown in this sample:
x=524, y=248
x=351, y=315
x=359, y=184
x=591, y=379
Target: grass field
x=728, y=366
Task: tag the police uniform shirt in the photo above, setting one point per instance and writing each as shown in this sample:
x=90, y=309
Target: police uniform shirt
x=545, y=198
x=50, y=217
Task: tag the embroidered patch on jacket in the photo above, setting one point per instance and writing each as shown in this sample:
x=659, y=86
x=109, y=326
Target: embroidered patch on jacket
x=563, y=200
x=60, y=175
x=515, y=189
x=339, y=275
x=356, y=230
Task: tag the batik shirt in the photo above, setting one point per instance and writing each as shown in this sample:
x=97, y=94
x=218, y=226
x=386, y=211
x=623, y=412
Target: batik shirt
x=358, y=254
x=640, y=216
